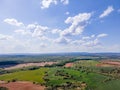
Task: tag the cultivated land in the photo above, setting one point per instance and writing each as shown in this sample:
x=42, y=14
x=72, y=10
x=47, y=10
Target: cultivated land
x=71, y=72
x=29, y=64
x=28, y=75
x=20, y=85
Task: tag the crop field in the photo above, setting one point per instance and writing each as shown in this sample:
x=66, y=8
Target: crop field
x=111, y=85
x=59, y=76
x=87, y=63
x=22, y=85
x=29, y=75
x=74, y=73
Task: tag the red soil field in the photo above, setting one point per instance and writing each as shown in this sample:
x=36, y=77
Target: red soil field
x=29, y=64
x=20, y=85
x=108, y=63
x=68, y=64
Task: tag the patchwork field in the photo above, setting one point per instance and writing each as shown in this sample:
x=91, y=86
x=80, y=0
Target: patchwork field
x=72, y=74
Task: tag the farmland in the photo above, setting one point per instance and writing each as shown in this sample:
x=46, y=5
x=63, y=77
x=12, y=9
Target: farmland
x=22, y=85
x=71, y=72
x=29, y=75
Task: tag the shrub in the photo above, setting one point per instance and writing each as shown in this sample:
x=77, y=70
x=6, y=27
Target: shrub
x=3, y=88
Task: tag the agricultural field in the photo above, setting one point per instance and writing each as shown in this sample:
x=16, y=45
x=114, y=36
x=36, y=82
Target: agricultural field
x=21, y=85
x=58, y=77
x=29, y=75
x=74, y=73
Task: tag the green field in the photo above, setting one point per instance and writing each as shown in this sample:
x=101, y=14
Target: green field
x=61, y=78
x=29, y=75
x=86, y=63
x=111, y=85
x=70, y=75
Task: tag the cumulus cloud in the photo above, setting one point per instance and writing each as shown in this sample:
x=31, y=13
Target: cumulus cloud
x=88, y=41
x=47, y=3
x=109, y=10
x=78, y=24
x=33, y=30
x=65, y=1
x=39, y=31
x=31, y=26
x=43, y=45
x=67, y=13
x=37, y=36
x=22, y=32
x=102, y=35
x=5, y=37
x=91, y=43
x=55, y=31
x=62, y=40
x=13, y=21
x=36, y=30
x=88, y=37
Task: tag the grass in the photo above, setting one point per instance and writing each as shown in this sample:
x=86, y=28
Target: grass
x=92, y=79
x=87, y=63
x=29, y=75
x=111, y=85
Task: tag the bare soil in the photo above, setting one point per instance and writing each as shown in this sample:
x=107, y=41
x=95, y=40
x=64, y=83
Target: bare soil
x=109, y=63
x=21, y=85
x=29, y=64
x=68, y=64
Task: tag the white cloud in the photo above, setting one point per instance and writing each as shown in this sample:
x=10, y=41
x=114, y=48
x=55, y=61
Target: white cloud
x=62, y=40
x=39, y=31
x=34, y=30
x=92, y=36
x=55, y=31
x=37, y=36
x=78, y=18
x=88, y=37
x=88, y=41
x=13, y=21
x=78, y=42
x=31, y=26
x=5, y=37
x=43, y=45
x=22, y=32
x=107, y=12
x=78, y=24
x=67, y=13
x=65, y=2
x=47, y=3
x=92, y=43
x=102, y=35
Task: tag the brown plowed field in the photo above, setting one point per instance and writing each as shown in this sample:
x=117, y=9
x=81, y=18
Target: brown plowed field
x=29, y=64
x=109, y=64
x=20, y=85
x=68, y=64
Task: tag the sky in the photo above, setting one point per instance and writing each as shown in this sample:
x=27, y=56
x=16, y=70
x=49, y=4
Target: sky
x=50, y=26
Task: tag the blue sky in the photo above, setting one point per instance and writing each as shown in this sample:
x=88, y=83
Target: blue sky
x=45, y=26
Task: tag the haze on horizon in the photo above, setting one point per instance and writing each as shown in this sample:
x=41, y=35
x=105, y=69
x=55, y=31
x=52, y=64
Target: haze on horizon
x=47, y=26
